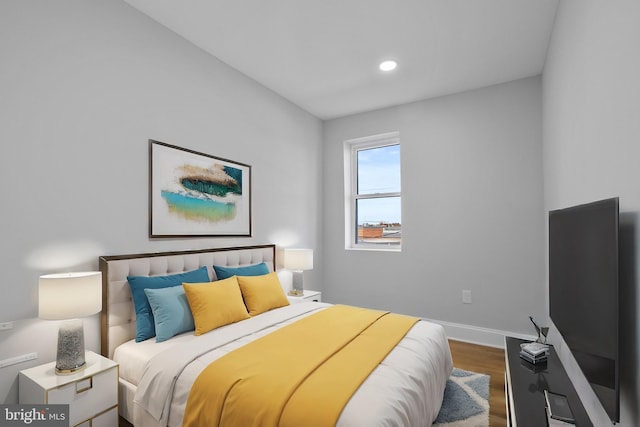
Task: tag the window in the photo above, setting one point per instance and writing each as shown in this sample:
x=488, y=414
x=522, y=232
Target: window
x=372, y=188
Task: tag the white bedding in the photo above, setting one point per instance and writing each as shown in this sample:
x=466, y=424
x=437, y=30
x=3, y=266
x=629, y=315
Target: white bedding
x=406, y=389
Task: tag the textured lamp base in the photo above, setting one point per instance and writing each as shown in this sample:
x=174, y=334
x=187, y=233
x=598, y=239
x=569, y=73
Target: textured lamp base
x=297, y=282
x=70, y=358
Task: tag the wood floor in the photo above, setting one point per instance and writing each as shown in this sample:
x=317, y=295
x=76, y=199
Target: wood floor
x=476, y=358
x=485, y=360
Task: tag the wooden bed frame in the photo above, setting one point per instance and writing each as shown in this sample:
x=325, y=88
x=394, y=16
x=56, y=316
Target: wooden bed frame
x=118, y=315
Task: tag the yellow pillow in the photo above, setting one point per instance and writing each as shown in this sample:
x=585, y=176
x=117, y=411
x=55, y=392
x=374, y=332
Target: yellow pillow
x=215, y=304
x=262, y=293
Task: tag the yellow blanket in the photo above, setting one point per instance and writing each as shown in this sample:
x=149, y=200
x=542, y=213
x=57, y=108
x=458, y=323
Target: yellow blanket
x=300, y=375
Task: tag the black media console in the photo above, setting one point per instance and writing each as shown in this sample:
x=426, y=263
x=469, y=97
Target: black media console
x=525, y=384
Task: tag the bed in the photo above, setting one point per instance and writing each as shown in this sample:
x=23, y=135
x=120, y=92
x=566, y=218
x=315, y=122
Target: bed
x=405, y=388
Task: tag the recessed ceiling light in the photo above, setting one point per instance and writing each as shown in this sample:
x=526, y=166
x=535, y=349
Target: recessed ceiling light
x=388, y=65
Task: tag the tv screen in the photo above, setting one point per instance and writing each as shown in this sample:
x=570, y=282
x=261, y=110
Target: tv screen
x=583, y=292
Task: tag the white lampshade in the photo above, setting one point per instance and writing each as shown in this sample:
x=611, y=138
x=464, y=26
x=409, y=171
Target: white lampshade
x=298, y=259
x=70, y=295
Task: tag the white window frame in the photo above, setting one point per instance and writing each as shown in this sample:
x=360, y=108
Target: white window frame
x=351, y=148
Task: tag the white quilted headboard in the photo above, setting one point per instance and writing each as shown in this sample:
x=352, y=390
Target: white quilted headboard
x=118, y=314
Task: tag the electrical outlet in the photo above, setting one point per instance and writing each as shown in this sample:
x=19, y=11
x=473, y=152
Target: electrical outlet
x=466, y=296
x=5, y=326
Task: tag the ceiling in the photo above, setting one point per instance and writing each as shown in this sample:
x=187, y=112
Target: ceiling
x=322, y=55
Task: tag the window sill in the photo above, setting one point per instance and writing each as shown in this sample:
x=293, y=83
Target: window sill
x=373, y=249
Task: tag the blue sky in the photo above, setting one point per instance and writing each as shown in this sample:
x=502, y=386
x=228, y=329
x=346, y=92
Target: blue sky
x=379, y=172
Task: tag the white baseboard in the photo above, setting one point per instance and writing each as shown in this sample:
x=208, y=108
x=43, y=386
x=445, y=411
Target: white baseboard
x=478, y=334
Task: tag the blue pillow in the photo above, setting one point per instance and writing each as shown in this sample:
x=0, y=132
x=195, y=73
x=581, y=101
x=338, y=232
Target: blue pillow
x=171, y=312
x=145, y=328
x=250, y=270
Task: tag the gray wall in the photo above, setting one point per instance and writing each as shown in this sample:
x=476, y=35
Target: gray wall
x=84, y=85
x=472, y=210
x=591, y=95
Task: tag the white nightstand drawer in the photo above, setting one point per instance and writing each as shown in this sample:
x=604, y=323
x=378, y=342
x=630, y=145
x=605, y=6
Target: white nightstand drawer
x=107, y=419
x=308, y=296
x=87, y=394
x=91, y=393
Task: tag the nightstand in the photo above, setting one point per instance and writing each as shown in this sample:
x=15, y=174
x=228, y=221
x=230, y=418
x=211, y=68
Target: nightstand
x=308, y=296
x=92, y=393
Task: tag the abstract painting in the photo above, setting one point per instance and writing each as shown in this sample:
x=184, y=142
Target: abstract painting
x=195, y=194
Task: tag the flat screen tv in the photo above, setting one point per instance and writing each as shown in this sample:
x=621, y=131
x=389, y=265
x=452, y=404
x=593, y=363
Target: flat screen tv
x=583, y=292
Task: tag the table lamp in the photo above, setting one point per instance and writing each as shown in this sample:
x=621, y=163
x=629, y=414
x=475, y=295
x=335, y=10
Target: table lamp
x=298, y=260
x=68, y=296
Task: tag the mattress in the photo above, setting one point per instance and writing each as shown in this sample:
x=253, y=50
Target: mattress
x=405, y=389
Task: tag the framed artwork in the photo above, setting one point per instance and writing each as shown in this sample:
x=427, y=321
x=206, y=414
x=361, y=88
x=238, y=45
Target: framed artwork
x=193, y=194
